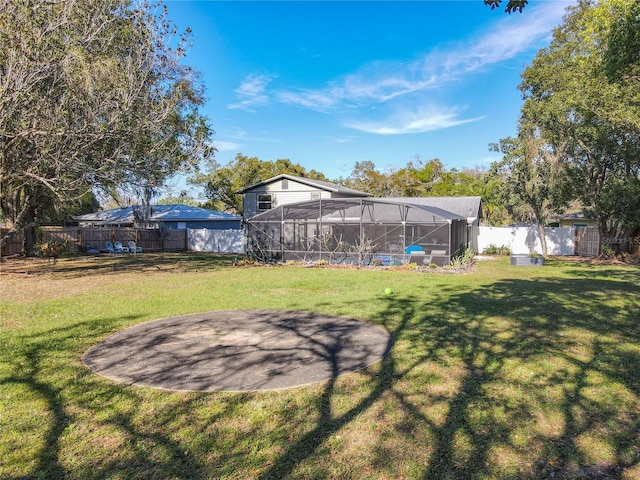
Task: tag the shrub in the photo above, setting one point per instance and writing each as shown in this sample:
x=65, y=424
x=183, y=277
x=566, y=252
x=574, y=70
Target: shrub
x=607, y=251
x=463, y=261
x=491, y=249
x=246, y=262
x=407, y=266
x=56, y=248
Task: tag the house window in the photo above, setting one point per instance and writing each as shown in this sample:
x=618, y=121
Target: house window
x=315, y=196
x=264, y=201
x=285, y=184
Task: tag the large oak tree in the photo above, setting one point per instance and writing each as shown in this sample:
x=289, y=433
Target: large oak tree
x=93, y=96
x=590, y=122
x=533, y=179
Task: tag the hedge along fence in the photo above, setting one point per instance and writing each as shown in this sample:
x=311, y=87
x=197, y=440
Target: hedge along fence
x=151, y=240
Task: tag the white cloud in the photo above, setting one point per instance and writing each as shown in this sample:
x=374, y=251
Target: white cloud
x=321, y=100
x=252, y=92
x=380, y=82
x=223, y=146
x=416, y=121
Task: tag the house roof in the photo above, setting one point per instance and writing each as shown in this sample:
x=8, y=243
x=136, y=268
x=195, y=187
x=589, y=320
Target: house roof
x=575, y=216
x=467, y=207
x=319, y=184
x=159, y=213
x=350, y=210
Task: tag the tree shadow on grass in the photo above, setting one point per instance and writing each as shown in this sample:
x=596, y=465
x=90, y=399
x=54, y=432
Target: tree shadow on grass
x=82, y=266
x=546, y=382
x=563, y=357
x=329, y=423
x=60, y=396
x=538, y=378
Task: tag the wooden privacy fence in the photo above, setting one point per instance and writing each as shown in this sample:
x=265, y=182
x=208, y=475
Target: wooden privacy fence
x=13, y=246
x=587, y=241
x=151, y=240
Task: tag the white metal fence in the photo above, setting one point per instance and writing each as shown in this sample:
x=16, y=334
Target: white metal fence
x=219, y=241
x=526, y=239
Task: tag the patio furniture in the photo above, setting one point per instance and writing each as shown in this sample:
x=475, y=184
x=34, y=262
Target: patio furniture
x=133, y=248
x=418, y=257
x=110, y=249
x=119, y=248
x=414, y=248
x=439, y=257
x=90, y=250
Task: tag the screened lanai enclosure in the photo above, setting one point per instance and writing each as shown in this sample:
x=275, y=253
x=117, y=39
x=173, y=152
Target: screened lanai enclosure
x=361, y=231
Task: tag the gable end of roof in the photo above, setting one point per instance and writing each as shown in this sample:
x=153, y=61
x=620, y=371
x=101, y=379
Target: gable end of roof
x=319, y=184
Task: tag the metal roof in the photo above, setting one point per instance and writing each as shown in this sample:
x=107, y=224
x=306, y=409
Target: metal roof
x=576, y=216
x=467, y=207
x=319, y=184
x=355, y=210
x=159, y=213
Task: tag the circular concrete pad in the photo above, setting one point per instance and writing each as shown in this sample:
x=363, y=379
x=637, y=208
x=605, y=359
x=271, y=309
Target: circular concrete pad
x=237, y=350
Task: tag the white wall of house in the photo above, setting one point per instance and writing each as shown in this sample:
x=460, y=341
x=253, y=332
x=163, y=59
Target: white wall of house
x=281, y=192
x=219, y=241
x=525, y=240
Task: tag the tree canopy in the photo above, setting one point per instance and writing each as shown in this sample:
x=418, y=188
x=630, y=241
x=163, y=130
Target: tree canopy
x=531, y=173
x=222, y=183
x=93, y=97
x=415, y=179
x=590, y=122
x=622, y=57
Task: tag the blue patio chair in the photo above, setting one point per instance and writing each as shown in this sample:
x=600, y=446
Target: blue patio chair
x=133, y=248
x=110, y=248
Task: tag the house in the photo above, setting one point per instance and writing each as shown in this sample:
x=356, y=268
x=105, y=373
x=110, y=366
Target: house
x=172, y=217
x=357, y=230
x=575, y=219
x=285, y=189
x=294, y=218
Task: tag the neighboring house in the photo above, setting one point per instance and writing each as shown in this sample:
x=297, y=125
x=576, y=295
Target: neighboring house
x=173, y=217
x=575, y=219
x=285, y=189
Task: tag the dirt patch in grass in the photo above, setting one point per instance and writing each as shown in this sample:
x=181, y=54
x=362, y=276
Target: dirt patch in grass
x=620, y=260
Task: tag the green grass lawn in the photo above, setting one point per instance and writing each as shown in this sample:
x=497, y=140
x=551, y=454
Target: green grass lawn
x=504, y=372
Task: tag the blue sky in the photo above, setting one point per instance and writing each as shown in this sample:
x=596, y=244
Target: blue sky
x=328, y=84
